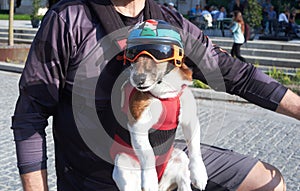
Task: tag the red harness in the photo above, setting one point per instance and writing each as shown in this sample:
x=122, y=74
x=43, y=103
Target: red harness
x=167, y=122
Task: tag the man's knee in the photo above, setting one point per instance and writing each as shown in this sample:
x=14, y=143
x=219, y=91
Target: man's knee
x=263, y=177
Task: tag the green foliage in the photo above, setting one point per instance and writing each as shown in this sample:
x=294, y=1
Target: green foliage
x=281, y=5
x=253, y=13
x=284, y=78
x=297, y=76
x=36, y=4
x=256, y=63
x=16, y=17
x=274, y=73
x=199, y=84
x=291, y=81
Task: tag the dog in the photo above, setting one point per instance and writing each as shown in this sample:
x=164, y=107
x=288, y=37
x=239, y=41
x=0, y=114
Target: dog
x=153, y=82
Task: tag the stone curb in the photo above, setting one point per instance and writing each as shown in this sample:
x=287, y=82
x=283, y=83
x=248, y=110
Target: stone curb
x=216, y=96
x=198, y=93
x=11, y=67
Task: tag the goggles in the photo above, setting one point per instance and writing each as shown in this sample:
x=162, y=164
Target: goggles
x=158, y=52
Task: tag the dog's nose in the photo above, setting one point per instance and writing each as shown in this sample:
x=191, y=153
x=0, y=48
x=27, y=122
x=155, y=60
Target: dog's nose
x=139, y=79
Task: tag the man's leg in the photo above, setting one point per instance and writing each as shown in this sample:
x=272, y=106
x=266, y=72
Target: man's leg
x=231, y=171
x=263, y=177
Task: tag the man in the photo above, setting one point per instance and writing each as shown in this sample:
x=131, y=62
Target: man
x=196, y=11
x=220, y=19
x=207, y=16
x=283, y=20
x=222, y=13
x=172, y=6
x=272, y=16
x=71, y=72
x=267, y=5
x=292, y=21
x=284, y=17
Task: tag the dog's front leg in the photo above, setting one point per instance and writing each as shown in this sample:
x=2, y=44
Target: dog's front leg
x=145, y=154
x=142, y=147
x=191, y=131
x=196, y=165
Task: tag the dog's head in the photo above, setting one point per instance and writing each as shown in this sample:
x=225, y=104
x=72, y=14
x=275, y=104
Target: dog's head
x=154, y=48
x=146, y=73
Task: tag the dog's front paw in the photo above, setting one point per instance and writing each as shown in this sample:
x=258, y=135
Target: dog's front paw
x=198, y=174
x=149, y=180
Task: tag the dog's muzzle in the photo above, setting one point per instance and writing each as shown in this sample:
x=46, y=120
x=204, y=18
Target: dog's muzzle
x=139, y=79
x=140, y=82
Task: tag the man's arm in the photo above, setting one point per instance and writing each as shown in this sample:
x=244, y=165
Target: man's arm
x=290, y=105
x=219, y=70
x=35, y=181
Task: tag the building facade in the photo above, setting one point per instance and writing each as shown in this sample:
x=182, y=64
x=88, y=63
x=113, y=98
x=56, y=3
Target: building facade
x=183, y=6
x=24, y=8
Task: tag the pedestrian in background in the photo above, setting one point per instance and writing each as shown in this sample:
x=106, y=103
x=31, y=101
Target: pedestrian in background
x=237, y=28
x=171, y=6
x=222, y=13
x=283, y=20
x=265, y=21
x=207, y=16
x=272, y=17
x=292, y=22
x=195, y=12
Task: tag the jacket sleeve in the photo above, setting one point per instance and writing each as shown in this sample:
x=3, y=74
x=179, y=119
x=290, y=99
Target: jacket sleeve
x=214, y=66
x=39, y=87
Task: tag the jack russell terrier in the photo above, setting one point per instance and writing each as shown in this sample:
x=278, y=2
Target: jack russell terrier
x=157, y=100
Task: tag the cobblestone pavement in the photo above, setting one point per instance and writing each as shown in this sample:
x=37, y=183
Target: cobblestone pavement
x=242, y=127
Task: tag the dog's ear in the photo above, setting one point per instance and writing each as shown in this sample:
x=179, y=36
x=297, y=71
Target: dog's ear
x=187, y=72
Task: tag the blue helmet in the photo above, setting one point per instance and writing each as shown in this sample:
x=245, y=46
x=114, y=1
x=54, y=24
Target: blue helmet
x=156, y=32
x=157, y=39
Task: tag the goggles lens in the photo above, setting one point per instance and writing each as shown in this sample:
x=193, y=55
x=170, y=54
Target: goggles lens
x=159, y=52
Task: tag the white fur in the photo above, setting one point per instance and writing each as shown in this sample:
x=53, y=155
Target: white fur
x=131, y=176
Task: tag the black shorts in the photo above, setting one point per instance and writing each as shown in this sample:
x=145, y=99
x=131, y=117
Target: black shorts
x=226, y=169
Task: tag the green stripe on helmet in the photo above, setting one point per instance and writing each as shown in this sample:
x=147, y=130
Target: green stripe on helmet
x=161, y=32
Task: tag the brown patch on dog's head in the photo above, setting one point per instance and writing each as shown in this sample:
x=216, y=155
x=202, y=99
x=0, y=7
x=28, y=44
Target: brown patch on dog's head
x=144, y=64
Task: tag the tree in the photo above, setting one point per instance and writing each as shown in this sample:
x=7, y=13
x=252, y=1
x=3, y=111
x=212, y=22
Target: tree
x=35, y=18
x=253, y=13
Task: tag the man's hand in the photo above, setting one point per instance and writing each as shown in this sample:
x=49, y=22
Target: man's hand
x=35, y=181
x=290, y=105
